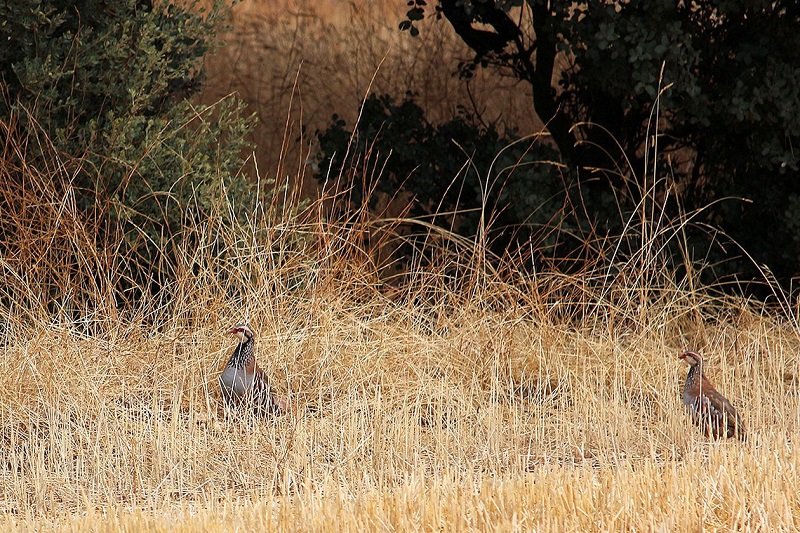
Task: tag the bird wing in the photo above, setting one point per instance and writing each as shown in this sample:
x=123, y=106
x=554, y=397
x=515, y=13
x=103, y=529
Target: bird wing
x=713, y=412
x=262, y=390
x=724, y=412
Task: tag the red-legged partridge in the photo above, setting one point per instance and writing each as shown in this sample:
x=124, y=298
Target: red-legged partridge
x=242, y=381
x=711, y=411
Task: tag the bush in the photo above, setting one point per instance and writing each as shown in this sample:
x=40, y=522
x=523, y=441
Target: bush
x=95, y=98
x=460, y=165
x=721, y=78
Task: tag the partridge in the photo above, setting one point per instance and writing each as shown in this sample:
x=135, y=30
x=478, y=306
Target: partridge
x=711, y=411
x=242, y=381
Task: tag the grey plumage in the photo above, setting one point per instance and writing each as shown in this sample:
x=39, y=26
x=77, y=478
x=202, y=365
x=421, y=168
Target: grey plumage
x=242, y=381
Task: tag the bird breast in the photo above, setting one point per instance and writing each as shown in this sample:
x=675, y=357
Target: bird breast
x=689, y=398
x=236, y=380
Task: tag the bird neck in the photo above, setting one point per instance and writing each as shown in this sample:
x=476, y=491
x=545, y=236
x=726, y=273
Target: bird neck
x=695, y=375
x=242, y=355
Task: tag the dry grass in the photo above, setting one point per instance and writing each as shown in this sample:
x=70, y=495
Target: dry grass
x=310, y=59
x=648, y=496
x=468, y=394
x=460, y=398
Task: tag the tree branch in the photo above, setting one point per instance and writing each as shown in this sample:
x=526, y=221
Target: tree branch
x=538, y=74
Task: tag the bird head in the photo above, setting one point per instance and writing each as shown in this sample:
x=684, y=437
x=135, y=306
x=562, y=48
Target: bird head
x=693, y=358
x=242, y=332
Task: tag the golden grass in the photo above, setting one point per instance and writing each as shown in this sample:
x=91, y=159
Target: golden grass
x=466, y=394
x=646, y=496
x=460, y=399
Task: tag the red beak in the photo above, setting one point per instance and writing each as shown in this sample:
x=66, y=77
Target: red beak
x=234, y=330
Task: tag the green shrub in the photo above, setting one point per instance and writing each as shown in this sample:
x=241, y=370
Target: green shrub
x=96, y=92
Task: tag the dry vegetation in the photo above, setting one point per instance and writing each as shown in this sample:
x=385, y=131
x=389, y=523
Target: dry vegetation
x=466, y=395
x=309, y=59
x=463, y=397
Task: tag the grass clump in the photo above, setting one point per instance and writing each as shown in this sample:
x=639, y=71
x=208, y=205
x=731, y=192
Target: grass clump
x=466, y=393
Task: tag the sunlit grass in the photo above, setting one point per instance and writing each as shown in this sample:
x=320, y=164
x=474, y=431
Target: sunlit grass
x=460, y=392
x=458, y=399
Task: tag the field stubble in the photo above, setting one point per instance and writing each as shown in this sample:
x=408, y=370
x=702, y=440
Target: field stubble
x=494, y=406
x=461, y=397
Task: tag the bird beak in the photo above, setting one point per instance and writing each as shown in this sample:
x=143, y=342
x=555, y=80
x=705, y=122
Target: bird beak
x=233, y=330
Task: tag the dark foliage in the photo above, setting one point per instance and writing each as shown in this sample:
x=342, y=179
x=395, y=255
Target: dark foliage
x=459, y=165
x=725, y=77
